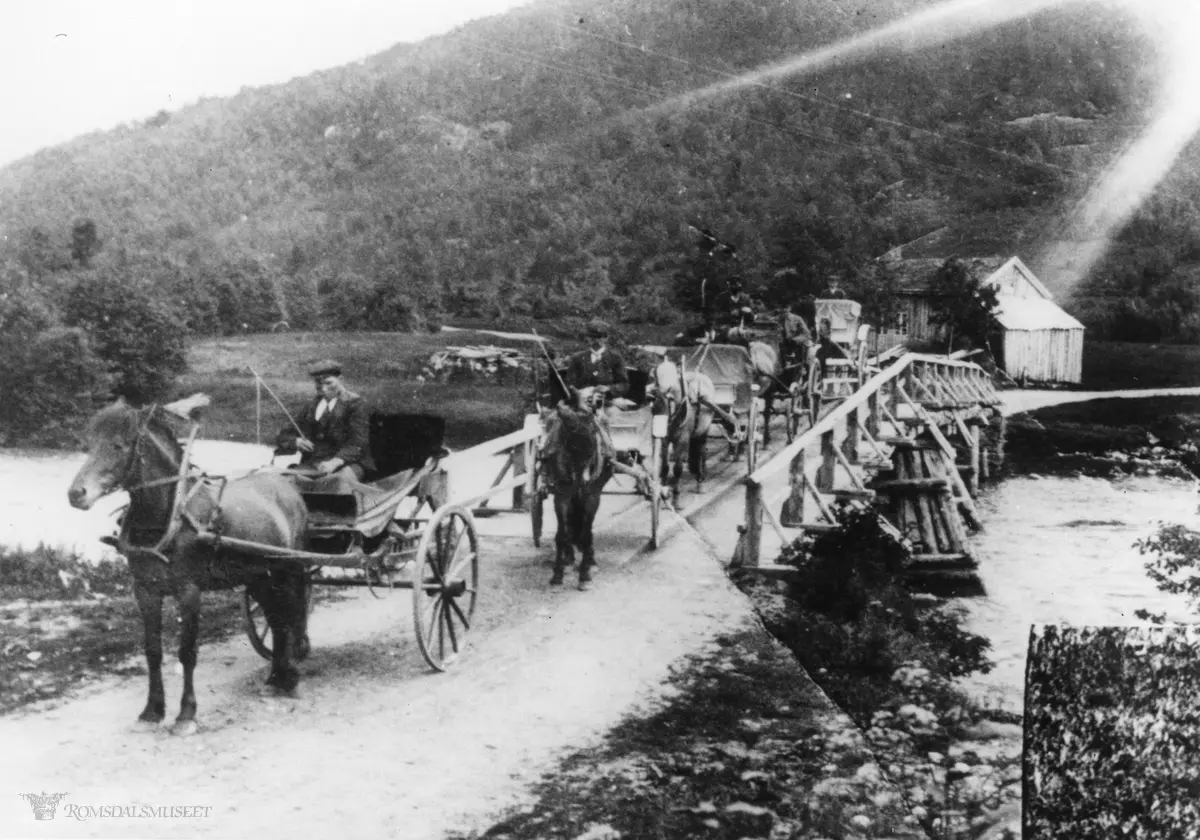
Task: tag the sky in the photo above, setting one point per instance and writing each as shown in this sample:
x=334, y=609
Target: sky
x=68, y=67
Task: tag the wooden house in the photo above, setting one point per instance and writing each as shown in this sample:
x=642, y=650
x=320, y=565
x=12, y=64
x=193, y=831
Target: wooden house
x=1035, y=340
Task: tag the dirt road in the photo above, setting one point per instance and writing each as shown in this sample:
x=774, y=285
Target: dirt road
x=1017, y=401
x=376, y=745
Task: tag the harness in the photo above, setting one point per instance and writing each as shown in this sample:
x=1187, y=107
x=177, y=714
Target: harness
x=179, y=512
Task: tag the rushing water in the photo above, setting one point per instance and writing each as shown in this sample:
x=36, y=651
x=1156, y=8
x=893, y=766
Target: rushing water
x=1054, y=550
x=1061, y=551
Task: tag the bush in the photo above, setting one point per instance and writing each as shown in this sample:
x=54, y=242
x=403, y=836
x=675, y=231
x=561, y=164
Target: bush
x=140, y=339
x=854, y=623
x=50, y=374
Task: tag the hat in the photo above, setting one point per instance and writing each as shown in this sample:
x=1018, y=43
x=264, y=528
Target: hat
x=326, y=367
x=597, y=329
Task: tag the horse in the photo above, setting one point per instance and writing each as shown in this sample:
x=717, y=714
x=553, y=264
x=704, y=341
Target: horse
x=777, y=376
x=137, y=449
x=576, y=467
x=687, y=401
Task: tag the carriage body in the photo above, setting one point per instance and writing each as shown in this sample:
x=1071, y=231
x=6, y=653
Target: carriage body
x=843, y=376
x=732, y=371
x=396, y=530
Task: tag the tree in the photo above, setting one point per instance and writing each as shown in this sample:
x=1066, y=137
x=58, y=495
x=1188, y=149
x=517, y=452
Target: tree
x=85, y=243
x=962, y=303
x=140, y=339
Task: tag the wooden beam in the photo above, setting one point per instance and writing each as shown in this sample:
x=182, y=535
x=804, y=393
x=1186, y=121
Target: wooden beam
x=906, y=485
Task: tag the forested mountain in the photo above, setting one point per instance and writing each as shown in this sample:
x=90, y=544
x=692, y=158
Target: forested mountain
x=535, y=164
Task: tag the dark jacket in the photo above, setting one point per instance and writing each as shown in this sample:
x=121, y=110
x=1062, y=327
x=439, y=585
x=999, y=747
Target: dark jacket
x=340, y=433
x=609, y=370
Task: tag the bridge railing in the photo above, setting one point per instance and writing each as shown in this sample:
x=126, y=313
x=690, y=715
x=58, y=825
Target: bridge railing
x=916, y=390
x=516, y=469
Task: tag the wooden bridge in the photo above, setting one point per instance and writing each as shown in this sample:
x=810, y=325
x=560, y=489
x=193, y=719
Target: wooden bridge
x=908, y=445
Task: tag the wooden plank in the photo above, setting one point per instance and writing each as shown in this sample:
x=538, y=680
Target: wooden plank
x=828, y=460
x=792, y=512
x=903, y=485
x=750, y=546
x=959, y=486
x=954, y=557
x=853, y=495
x=930, y=510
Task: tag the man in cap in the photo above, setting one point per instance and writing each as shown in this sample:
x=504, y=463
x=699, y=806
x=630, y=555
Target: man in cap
x=601, y=368
x=331, y=432
x=796, y=337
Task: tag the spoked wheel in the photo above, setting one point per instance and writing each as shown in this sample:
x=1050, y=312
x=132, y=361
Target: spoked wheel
x=254, y=620
x=445, y=584
x=794, y=410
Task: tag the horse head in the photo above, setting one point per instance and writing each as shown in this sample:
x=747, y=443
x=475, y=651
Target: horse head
x=123, y=443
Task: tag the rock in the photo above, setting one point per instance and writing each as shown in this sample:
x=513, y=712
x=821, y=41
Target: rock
x=860, y=821
x=746, y=820
x=988, y=729
x=599, y=831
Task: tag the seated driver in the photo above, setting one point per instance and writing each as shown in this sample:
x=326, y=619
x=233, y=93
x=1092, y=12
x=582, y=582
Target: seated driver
x=331, y=431
x=600, y=369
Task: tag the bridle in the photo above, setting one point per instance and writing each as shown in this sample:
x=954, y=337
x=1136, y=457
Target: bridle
x=136, y=461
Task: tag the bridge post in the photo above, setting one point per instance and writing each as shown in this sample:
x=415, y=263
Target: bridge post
x=750, y=545
x=873, y=414
x=792, y=515
x=828, y=463
x=850, y=442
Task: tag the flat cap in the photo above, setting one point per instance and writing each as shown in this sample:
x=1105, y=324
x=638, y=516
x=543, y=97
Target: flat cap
x=597, y=328
x=325, y=367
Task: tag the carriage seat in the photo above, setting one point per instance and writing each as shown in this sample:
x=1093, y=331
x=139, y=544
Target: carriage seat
x=405, y=448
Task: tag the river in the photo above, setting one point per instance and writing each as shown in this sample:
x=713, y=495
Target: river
x=1061, y=551
x=1054, y=550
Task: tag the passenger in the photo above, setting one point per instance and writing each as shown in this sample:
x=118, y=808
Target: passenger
x=796, y=336
x=331, y=431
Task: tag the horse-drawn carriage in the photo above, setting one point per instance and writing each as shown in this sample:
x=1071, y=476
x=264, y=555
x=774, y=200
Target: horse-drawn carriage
x=275, y=531
x=395, y=530
x=628, y=428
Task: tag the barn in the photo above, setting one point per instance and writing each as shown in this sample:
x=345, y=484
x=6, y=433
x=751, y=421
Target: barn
x=1035, y=341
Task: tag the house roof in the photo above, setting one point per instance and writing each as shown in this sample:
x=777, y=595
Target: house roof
x=914, y=276
x=1031, y=313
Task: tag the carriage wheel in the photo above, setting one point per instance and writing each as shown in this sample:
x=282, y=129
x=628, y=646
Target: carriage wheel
x=536, y=500
x=254, y=620
x=795, y=409
x=445, y=584
x=814, y=393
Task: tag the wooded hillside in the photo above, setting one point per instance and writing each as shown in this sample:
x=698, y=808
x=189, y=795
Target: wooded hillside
x=526, y=166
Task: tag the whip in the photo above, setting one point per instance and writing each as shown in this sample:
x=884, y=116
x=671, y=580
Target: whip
x=278, y=402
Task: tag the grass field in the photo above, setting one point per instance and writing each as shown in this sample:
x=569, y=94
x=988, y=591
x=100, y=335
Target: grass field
x=382, y=367
x=1113, y=365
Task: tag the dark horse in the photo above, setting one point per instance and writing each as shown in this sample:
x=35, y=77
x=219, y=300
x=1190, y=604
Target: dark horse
x=576, y=469
x=137, y=449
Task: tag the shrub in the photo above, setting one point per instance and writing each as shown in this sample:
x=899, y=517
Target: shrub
x=139, y=338
x=854, y=623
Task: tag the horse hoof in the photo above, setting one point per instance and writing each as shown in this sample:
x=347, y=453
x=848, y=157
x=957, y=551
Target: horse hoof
x=184, y=728
x=303, y=648
x=292, y=693
x=585, y=585
x=556, y=580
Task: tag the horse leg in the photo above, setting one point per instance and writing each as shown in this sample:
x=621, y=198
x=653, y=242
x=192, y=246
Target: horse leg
x=589, y=504
x=286, y=601
x=302, y=593
x=189, y=599
x=564, y=554
x=150, y=605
